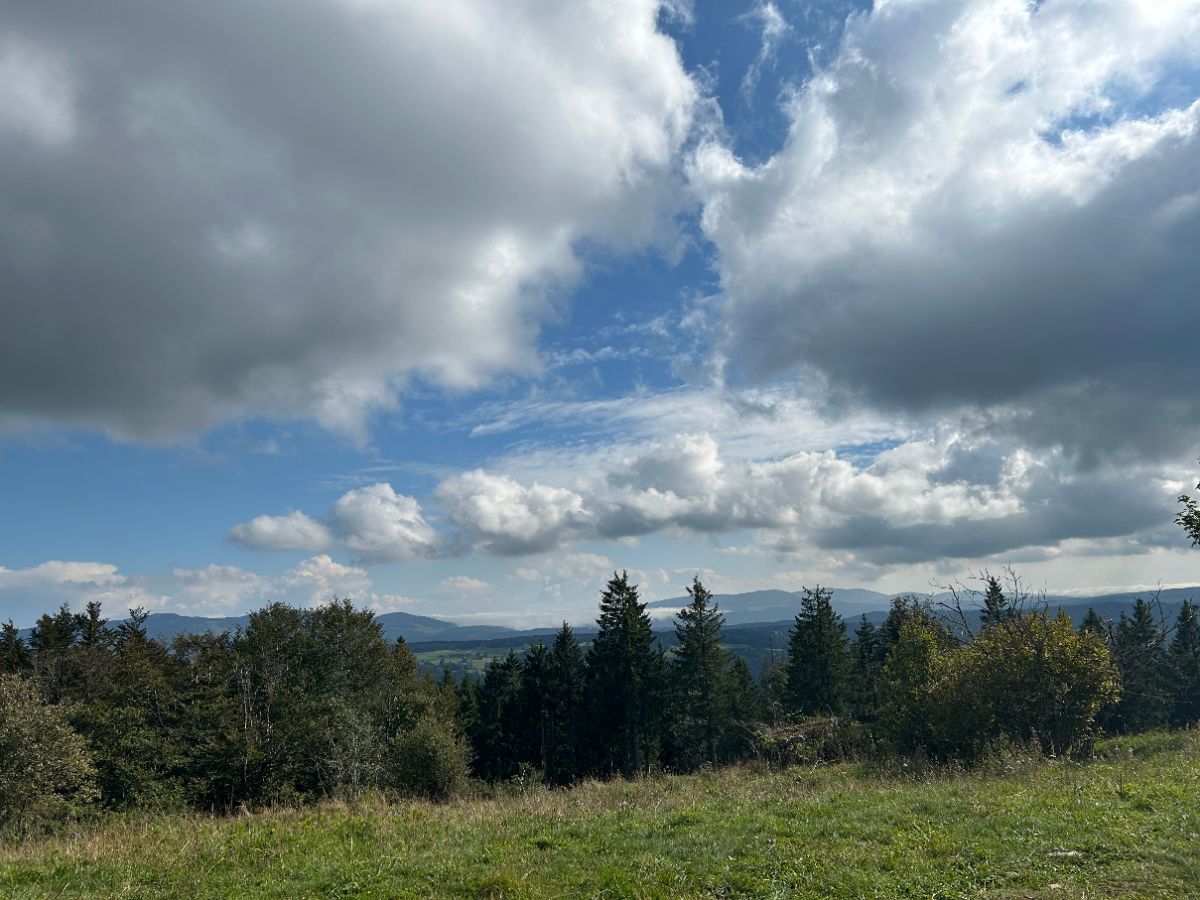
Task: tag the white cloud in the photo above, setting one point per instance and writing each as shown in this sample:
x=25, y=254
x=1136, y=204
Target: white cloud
x=773, y=28
x=395, y=189
x=496, y=514
x=38, y=588
x=462, y=584
x=980, y=203
x=379, y=525
x=321, y=579
x=219, y=590
x=294, y=531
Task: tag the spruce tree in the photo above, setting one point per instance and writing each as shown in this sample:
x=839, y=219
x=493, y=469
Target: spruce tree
x=567, y=676
x=498, y=734
x=819, y=662
x=1093, y=624
x=535, y=707
x=1138, y=647
x=1184, y=666
x=996, y=608
x=868, y=662
x=624, y=682
x=14, y=655
x=698, y=670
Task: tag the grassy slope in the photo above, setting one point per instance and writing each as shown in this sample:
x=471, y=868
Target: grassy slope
x=1125, y=825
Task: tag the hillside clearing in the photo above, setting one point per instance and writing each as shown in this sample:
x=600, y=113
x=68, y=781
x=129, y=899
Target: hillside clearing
x=1124, y=825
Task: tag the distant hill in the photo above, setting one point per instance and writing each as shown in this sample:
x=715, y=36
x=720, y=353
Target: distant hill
x=165, y=626
x=771, y=606
x=760, y=616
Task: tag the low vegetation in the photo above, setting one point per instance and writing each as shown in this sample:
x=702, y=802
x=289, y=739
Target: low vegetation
x=1124, y=824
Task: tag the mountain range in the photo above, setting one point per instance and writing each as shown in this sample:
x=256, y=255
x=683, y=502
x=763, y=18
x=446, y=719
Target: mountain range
x=772, y=608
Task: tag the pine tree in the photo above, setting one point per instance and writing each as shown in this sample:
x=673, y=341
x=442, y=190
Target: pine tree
x=819, y=661
x=996, y=608
x=1184, y=665
x=624, y=682
x=698, y=670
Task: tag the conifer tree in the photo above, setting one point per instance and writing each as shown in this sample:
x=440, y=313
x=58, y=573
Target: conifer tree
x=498, y=734
x=744, y=709
x=819, y=661
x=1184, y=666
x=567, y=674
x=698, y=671
x=1093, y=624
x=1140, y=654
x=868, y=653
x=14, y=655
x=535, y=707
x=996, y=607
x=624, y=682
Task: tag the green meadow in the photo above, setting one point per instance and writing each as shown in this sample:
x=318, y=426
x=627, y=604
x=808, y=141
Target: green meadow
x=1124, y=824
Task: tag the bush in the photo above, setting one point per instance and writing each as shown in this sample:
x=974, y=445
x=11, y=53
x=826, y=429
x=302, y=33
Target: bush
x=45, y=770
x=1029, y=679
x=429, y=760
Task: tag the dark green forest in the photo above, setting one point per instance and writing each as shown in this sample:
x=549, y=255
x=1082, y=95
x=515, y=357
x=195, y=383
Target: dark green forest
x=306, y=704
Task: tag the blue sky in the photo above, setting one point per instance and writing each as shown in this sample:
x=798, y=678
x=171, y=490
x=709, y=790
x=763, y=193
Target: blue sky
x=454, y=308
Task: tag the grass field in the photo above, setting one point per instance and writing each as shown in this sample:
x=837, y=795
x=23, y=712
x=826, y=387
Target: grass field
x=1126, y=824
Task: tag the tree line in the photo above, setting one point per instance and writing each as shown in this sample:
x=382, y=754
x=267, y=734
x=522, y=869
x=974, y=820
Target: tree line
x=304, y=704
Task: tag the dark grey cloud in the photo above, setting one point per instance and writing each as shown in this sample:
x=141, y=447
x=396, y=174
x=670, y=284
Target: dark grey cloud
x=213, y=210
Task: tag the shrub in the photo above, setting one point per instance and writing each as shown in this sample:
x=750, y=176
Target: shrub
x=45, y=770
x=429, y=759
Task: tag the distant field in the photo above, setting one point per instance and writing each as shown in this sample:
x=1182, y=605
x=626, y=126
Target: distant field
x=1124, y=825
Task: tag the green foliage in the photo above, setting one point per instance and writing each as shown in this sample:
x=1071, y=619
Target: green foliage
x=1140, y=649
x=1184, y=666
x=1188, y=518
x=1029, y=679
x=14, y=655
x=625, y=683
x=996, y=607
x=819, y=673
x=1032, y=678
x=698, y=675
x=45, y=770
x=429, y=759
x=911, y=687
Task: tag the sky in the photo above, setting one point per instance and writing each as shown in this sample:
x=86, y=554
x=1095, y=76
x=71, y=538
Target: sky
x=456, y=307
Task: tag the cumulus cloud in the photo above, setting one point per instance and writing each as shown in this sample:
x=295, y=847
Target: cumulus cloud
x=496, y=514
x=981, y=203
x=32, y=591
x=223, y=210
x=379, y=525
x=294, y=531
x=219, y=589
x=321, y=579
x=955, y=495
x=373, y=523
